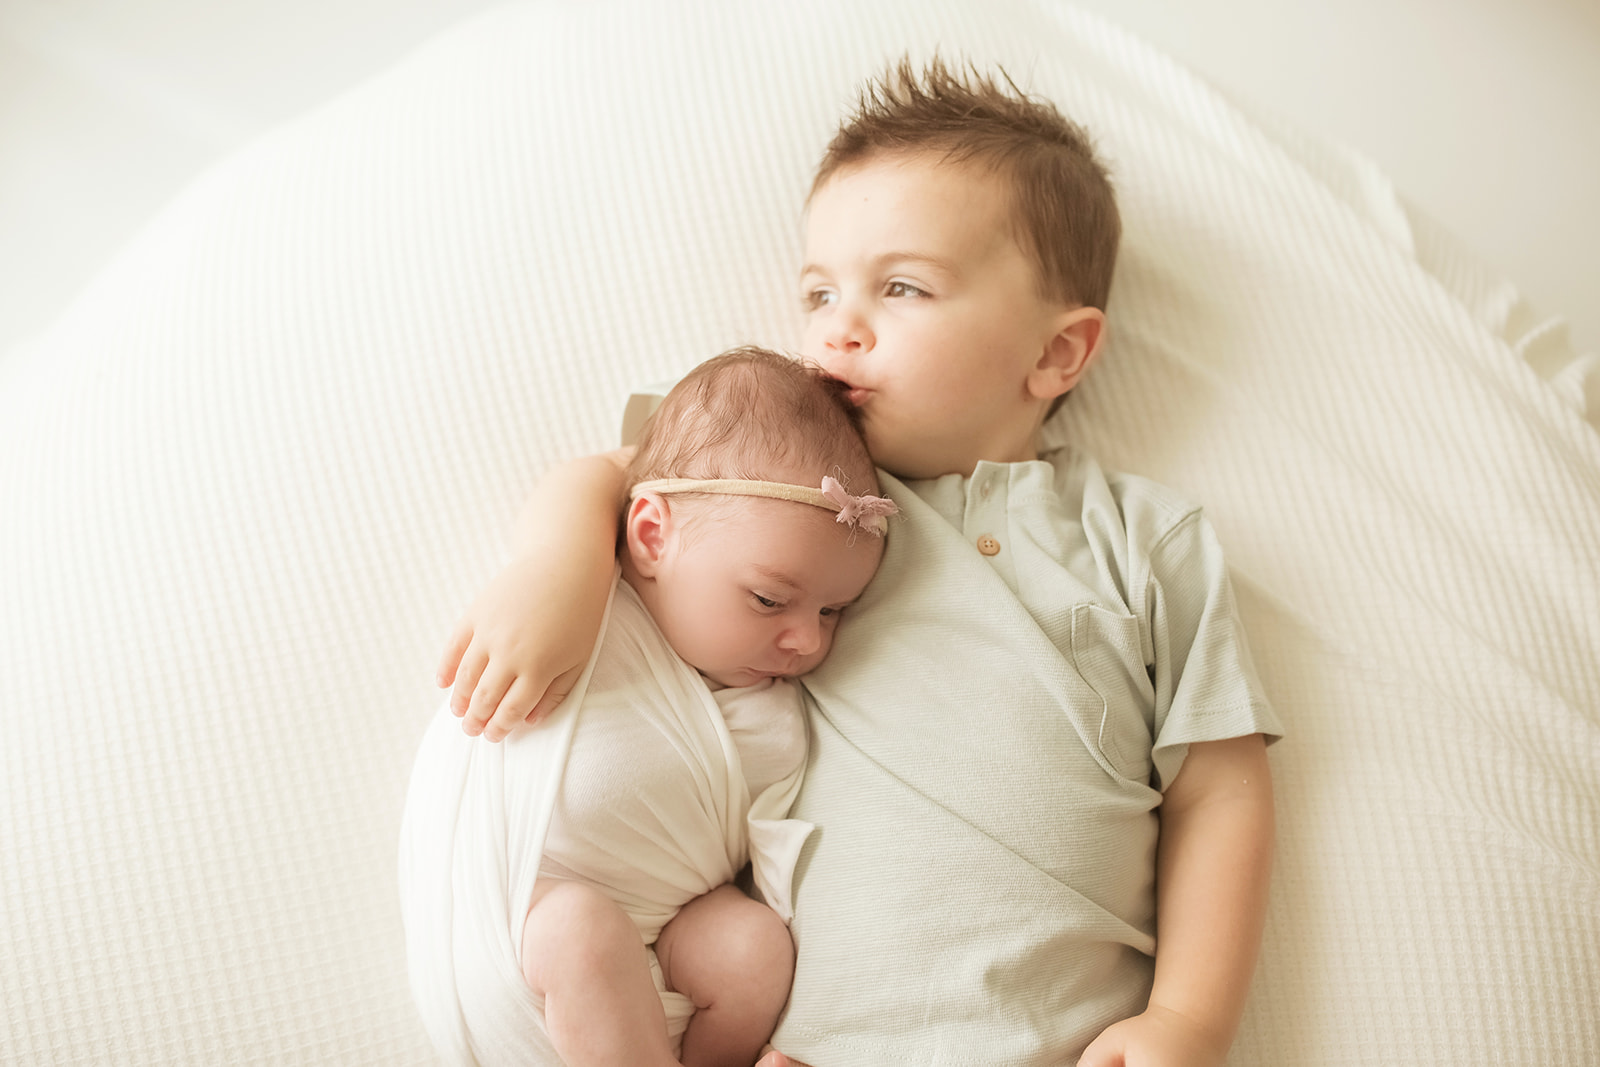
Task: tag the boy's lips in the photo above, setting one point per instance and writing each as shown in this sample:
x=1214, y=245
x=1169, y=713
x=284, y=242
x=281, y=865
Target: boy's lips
x=854, y=394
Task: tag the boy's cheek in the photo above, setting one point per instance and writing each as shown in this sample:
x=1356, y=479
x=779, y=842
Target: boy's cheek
x=811, y=339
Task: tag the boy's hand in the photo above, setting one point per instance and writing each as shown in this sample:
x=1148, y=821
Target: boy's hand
x=1158, y=1038
x=522, y=645
x=518, y=650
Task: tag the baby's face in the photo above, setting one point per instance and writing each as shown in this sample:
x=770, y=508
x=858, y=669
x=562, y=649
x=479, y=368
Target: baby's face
x=918, y=295
x=753, y=588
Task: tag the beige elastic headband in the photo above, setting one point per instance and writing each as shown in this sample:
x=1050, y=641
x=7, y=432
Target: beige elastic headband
x=862, y=512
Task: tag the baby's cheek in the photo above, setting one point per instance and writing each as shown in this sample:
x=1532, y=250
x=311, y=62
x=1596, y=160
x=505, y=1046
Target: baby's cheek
x=825, y=646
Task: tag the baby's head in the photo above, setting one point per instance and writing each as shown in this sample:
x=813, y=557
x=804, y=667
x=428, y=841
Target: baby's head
x=960, y=241
x=746, y=587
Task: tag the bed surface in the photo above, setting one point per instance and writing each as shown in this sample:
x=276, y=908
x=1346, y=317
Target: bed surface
x=253, y=474
x=112, y=109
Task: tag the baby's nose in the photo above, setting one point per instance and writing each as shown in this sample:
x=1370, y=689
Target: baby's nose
x=803, y=637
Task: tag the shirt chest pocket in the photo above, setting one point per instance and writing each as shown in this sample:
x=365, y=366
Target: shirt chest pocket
x=1109, y=656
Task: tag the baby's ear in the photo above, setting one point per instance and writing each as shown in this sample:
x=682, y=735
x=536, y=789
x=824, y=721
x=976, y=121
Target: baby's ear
x=1068, y=354
x=646, y=525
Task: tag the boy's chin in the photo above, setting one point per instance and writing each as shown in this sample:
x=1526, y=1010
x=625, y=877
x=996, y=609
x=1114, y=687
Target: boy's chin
x=910, y=465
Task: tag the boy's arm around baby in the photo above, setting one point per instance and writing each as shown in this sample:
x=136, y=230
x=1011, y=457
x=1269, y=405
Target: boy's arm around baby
x=519, y=648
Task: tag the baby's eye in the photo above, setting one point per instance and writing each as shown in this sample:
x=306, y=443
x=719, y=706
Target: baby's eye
x=903, y=289
x=825, y=612
x=765, y=602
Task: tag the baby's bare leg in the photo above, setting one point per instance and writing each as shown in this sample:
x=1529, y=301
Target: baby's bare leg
x=583, y=955
x=734, y=958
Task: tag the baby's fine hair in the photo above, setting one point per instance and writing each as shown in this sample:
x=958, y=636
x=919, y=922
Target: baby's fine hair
x=1063, y=208
x=754, y=414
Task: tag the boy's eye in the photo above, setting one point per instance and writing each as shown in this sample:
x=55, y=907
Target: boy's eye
x=902, y=289
x=817, y=298
x=828, y=612
x=765, y=602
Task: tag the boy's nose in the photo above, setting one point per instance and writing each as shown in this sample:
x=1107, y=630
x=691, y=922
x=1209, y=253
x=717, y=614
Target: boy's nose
x=848, y=331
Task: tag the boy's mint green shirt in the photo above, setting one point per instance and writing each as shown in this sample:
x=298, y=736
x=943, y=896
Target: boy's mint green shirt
x=989, y=740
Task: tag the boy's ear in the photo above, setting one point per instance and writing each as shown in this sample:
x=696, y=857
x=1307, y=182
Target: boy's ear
x=647, y=525
x=1068, y=354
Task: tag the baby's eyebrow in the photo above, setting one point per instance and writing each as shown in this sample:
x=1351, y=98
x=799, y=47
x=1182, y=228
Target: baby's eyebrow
x=772, y=574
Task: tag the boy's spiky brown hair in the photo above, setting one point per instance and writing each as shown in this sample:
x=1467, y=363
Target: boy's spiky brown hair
x=1063, y=207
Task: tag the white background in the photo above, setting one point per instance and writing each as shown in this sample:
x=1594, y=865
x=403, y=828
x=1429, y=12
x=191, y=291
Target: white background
x=1486, y=112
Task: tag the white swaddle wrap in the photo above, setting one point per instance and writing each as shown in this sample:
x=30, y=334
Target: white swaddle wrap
x=657, y=812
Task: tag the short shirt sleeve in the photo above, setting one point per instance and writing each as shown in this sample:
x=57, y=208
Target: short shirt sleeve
x=1206, y=687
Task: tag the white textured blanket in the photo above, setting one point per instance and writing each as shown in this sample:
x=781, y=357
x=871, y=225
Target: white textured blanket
x=250, y=479
x=643, y=778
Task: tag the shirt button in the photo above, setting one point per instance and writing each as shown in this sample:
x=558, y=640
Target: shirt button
x=988, y=545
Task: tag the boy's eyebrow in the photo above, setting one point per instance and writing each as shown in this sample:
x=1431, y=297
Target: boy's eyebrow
x=886, y=258
x=929, y=258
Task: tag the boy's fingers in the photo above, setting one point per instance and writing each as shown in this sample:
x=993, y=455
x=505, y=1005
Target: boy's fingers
x=454, y=648
x=1102, y=1052
x=466, y=681
x=554, y=694
x=487, y=697
x=511, y=712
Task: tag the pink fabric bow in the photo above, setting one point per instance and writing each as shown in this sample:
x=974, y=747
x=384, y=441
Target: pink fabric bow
x=858, y=509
